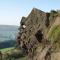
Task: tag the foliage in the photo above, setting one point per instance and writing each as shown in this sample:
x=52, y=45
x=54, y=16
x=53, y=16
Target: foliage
x=6, y=49
x=54, y=13
x=54, y=33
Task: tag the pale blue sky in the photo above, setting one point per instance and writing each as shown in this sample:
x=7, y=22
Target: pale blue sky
x=11, y=11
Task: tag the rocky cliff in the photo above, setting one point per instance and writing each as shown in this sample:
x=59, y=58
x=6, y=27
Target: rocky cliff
x=38, y=35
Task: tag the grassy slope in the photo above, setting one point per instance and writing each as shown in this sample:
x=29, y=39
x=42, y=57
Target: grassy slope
x=54, y=33
x=24, y=58
x=54, y=37
x=6, y=49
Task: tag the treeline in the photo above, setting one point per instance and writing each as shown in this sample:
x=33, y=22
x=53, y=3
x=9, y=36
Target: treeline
x=6, y=44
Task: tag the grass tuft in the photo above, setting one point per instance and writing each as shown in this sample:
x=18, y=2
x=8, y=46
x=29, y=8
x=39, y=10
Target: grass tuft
x=54, y=33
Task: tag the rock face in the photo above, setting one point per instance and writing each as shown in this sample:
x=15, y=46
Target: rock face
x=33, y=36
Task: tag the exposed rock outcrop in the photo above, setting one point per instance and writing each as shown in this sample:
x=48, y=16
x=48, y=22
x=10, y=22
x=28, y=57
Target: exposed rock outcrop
x=33, y=35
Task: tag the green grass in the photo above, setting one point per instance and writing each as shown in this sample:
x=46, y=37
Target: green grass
x=54, y=37
x=54, y=33
x=6, y=49
x=23, y=58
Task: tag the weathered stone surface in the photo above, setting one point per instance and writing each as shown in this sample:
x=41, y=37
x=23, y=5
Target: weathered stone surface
x=33, y=34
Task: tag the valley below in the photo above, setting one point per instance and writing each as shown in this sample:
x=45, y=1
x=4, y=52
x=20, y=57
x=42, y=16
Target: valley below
x=8, y=36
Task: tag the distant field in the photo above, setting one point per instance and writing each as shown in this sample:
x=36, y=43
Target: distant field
x=6, y=49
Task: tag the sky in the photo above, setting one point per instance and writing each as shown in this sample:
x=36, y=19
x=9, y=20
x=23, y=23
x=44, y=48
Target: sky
x=11, y=11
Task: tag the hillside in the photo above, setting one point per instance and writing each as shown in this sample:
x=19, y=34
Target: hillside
x=39, y=35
